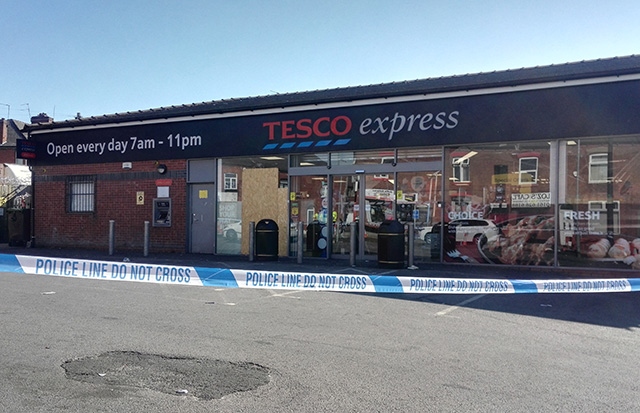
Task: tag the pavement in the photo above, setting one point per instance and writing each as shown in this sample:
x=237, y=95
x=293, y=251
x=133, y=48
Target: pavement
x=322, y=265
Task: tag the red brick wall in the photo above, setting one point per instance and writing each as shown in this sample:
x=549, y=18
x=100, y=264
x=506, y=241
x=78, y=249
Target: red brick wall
x=8, y=155
x=115, y=199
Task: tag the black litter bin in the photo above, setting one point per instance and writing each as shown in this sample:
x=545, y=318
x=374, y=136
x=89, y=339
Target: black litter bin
x=316, y=239
x=391, y=244
x=266, y=239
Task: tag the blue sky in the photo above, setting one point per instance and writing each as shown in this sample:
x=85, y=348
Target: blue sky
x=65, y=57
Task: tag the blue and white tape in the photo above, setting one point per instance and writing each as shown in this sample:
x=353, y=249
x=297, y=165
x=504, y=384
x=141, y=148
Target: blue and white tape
x=231, y=278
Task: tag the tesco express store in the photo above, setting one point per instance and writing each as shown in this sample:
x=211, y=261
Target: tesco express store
x=527, y=167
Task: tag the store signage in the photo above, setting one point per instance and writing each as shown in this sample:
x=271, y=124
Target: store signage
x=465, y=215
x=306, y=128
x=25, y=149
x=523, y=115
x=532, y=200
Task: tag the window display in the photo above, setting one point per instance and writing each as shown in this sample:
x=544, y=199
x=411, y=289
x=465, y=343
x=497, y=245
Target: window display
x=571, y=203
x=498, y=206
x=599, y=211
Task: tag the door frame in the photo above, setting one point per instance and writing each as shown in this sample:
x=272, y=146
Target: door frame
x=191, y=194
x=361, y=169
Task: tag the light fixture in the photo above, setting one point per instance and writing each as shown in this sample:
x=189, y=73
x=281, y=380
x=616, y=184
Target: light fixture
x=161, y=168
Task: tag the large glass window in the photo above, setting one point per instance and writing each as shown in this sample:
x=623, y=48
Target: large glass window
x=498, y=205
x=420, y=155
x=599, y=211
x=418, y=201
x=250, y=190
x=311, y=159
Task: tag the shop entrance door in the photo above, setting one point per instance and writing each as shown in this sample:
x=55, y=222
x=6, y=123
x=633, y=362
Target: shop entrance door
x=203, y=213
x=361, y=202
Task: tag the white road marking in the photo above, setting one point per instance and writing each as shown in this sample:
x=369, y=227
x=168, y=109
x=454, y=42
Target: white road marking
x=285, y=294
x=462, y=304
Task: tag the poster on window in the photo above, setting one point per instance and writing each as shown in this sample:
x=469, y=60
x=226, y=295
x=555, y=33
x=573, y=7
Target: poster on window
x=532, y=200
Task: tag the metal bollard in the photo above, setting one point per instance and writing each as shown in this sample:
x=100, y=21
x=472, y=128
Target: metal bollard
x=300, y=241
x=112, y=236
x=146, y=238
x=352, y=244
x=252, y=241
x=411, y=235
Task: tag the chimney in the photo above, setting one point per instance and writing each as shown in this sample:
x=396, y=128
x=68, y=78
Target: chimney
x=41, y=118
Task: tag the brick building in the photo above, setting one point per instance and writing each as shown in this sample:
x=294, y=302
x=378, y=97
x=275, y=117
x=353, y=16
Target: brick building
x=547, y=155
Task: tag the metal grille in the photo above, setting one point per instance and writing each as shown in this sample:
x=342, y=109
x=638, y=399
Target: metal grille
x=81, y=193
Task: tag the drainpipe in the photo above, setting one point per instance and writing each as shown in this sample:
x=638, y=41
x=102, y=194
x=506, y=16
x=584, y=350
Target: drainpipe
x=32, y=241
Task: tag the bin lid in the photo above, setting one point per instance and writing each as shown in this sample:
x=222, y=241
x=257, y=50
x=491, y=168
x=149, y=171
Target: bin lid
x=391, y=227
x=266, y=224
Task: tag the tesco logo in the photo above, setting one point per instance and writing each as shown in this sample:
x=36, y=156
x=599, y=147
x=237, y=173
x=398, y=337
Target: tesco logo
x=305, y=128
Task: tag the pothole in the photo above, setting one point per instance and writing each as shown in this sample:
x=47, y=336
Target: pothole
x=202, y=378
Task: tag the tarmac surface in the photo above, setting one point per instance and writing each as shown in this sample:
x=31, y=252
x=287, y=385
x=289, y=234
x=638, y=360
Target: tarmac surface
x=71, y=344
x=323, y=265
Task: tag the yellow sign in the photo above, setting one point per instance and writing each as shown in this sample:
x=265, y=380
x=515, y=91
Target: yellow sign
x=203, y=194
x=509, y=179
x=292, y=196
x=140, y=198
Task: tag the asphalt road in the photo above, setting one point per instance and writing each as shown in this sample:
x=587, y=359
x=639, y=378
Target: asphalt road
x=323, y=351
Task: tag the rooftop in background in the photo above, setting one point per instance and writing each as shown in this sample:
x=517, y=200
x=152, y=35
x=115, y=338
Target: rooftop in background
x=10, y=130
x=616, y=66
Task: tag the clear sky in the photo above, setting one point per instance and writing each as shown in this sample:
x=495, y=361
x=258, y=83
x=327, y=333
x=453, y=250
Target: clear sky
x=97, y=57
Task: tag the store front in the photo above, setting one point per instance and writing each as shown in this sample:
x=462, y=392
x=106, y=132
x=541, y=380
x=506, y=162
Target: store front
x=535, y=167
x=358, y=193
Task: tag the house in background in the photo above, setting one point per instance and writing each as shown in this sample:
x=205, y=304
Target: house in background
x=15, y=187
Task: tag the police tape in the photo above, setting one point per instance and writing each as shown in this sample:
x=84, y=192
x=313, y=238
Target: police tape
x=233, y=278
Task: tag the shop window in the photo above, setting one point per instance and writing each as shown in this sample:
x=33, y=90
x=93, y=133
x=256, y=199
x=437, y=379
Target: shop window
x=528, y=173
x=230, y=182
x=81, y=193
x=461, y=169
x=598, y=168
x=598, y=222
x=386, y=157
x=307, y=160
x=420, y=155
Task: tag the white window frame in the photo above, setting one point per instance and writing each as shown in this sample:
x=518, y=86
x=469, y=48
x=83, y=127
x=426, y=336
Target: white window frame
x=524, y=172
x=600, y=226
x=596, y=162
x=230, y=181
x=461, y=169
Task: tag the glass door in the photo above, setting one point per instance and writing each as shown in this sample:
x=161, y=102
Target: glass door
x=309, y=204
x=360, y=203
x=377, y=206
x=345, y=189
